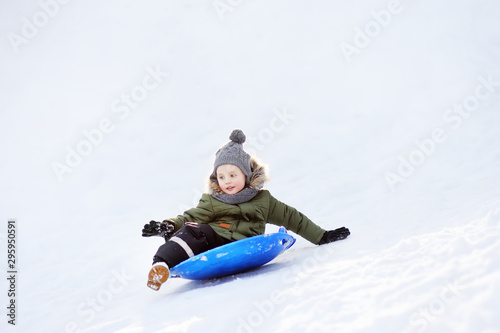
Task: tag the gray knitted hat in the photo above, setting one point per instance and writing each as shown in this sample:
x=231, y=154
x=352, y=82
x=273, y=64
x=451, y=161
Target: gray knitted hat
x=233, y=153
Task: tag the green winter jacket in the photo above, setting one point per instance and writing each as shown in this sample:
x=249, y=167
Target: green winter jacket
x=235, y=222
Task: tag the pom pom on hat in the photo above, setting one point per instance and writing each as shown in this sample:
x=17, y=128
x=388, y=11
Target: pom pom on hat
x=237, y=136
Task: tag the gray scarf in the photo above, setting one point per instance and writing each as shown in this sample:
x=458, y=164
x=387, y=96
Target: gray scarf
x=242, y=196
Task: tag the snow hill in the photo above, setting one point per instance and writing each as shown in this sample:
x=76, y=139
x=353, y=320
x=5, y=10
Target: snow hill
x=381, y=116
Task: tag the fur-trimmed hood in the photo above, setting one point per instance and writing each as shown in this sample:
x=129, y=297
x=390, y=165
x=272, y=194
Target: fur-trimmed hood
x=257, y=179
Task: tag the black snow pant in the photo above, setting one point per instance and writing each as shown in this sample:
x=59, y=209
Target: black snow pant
x=190, y=240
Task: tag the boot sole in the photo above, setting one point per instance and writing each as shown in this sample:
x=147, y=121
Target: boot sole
x=157, y=276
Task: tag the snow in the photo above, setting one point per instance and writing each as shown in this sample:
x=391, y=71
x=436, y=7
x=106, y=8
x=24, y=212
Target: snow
x=381, y=116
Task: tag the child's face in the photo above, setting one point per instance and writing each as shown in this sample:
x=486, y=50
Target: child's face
x=230, y=178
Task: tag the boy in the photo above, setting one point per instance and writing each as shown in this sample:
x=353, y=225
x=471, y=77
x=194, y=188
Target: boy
x=235, y=207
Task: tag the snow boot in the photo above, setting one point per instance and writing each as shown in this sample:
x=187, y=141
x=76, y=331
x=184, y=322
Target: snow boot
x=158, y=274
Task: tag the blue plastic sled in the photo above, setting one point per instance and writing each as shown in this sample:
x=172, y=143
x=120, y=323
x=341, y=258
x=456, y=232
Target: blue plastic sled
x=235, y=257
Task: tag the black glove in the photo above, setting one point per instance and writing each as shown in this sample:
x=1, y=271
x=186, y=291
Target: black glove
x=163, y=229
x=334, y=235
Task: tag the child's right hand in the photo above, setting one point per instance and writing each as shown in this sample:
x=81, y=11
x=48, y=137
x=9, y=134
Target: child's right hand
x=155, y=228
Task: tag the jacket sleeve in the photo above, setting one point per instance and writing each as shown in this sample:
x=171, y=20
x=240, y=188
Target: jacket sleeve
x=203, y=213
x=292, y=219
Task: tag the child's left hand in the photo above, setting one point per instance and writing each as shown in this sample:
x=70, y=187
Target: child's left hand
x=334, y=235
